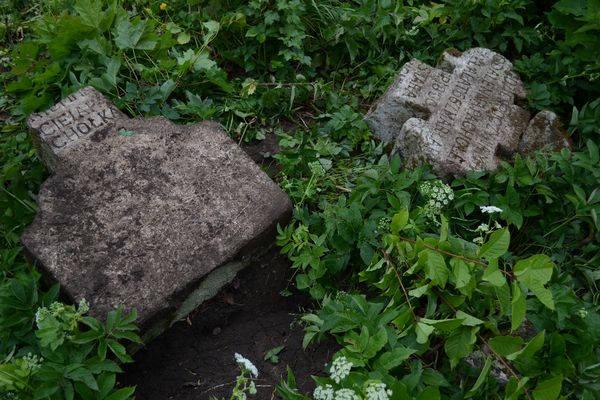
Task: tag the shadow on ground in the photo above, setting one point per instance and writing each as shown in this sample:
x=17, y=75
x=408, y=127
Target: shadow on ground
x=195, y=358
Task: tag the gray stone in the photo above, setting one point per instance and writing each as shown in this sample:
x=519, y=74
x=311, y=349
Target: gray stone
x=58, y=130
x=544, y=132
x=146, y=213
x=458, y=117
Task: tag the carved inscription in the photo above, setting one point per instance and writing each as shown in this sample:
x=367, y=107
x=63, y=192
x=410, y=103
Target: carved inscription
x=466, y=107
x=78, y=115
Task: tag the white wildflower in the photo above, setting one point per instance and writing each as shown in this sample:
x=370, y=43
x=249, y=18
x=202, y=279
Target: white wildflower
x=323, y=392
x=377, y=391
x=340, y=368
x=483, y=228
x=346, y=394
x=32, y=362
x=490, y=209
x=247, y=364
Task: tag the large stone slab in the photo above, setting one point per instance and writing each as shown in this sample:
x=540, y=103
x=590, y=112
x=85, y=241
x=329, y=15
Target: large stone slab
x=143, y=212
x=461, y=116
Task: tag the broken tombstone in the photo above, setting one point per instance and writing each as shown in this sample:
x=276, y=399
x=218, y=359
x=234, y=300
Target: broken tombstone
x=145, y=213
x=461, y=116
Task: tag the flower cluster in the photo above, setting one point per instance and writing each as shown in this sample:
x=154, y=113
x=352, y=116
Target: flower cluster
x=32, y=362
x=340, y=368
x=383, y=224
x=246, y=364
x=316, y=168
x=439, y=195
x=323, y=392
x=346, y=394
x=490, y=209
x=378, y=391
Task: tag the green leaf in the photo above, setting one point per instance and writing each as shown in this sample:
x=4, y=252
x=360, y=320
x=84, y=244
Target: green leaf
x=376, y=343
x=118, y=350
x=534, y=272
x=467, y=319
x=272, y=355
x=460, y=272
x=496, y=245
x=447, y=325
x=435, y=267
x=530, y=349
x=505, y=345
x=460, y=344
x=392, y=359
x=514, y=388
x=183, y=38
x=122, y=394
x=83, y=375
x=429, y=393
x=518, y=307
x=127, y=35
x=399, y=221
x=548, y=389
x=212, y=28
x=493, y=275
x=90, y=12
x=423, y=331
x=480, y=379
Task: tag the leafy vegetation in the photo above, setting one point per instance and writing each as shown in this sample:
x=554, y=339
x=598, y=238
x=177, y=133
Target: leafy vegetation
x=428, y=294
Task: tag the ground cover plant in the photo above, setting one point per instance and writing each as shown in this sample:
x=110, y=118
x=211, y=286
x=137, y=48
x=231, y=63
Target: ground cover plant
x=485, y=286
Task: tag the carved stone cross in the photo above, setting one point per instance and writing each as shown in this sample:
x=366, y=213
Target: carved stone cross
x=460, y=116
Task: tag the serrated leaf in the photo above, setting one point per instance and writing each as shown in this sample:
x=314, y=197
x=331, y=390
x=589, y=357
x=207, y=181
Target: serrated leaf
x=126, y=34
x=496, y=245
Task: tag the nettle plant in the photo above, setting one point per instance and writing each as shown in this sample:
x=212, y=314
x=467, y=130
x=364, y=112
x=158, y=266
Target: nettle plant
x=51, y=350
x=433, y=303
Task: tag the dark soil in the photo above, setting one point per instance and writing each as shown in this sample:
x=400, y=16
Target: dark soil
x=194, y=359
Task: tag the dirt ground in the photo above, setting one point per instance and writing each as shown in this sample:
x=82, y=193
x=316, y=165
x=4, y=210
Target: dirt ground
x=195, y=358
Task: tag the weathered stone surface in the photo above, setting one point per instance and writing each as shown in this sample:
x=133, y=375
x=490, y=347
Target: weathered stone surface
x=544, y=132
x=80, y=115
x=459, y=117
x=140, y=211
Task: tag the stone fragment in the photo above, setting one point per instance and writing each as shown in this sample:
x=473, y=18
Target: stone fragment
x=544, y=132
x=146, y=213
x=458, y=117
x=79, y=115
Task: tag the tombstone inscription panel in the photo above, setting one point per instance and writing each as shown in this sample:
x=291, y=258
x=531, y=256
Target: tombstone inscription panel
x=142, y=212
x=458, y=117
